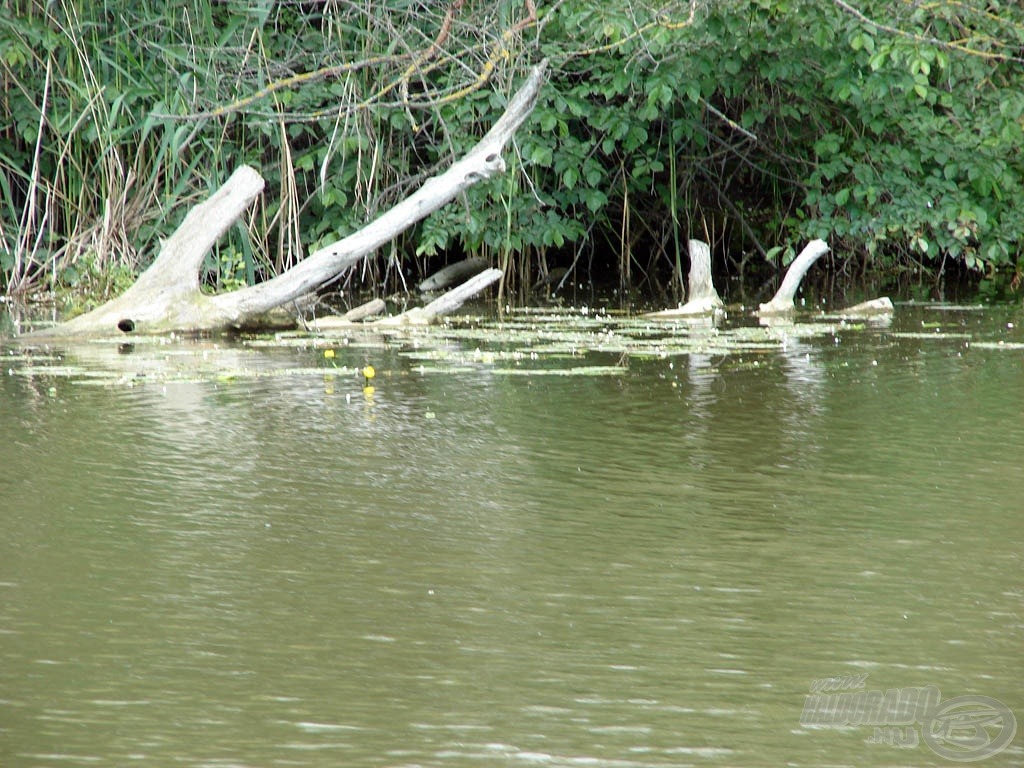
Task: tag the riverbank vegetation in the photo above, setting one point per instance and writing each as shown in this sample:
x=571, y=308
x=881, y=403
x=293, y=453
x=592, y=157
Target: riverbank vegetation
x=892, y=129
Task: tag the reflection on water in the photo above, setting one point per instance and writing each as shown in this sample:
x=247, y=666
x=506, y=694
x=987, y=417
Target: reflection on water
x=475, y=569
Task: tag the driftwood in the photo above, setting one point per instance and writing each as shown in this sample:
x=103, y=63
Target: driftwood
x=363, y=311
x=166, y=297
x=783, y=300
x=442, y=305
x=445, y=304
x=702, y=298
x=880, y=306
x=453, y=273
x=354, y=316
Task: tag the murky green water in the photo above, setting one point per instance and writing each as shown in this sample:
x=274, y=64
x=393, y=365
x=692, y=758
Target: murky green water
x=477, y=568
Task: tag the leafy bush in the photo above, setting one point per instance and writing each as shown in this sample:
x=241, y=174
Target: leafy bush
x=890, y=128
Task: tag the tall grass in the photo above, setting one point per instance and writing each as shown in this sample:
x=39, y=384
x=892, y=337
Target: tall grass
x=115, y=117
x=93, y=172
x=89, y=177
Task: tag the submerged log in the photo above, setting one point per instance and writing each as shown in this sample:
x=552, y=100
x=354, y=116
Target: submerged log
x=880, y=306
x=783, y=299
x=442, y=305
x=702, y=298
x=452, y=274
x=354, y=316
x=363, y=311
x=445, y=304
x=552, y=280
x=166, y=297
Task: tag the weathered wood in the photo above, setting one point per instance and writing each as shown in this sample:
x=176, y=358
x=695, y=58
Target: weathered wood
x=353, y=317
x=167, y=293
x=456, y=297
x=880, y=306
x=482, y=162
x=363, y=311
x=445, y=304
x=783, y=300
x=702, y=298
x=166, y=297
x=701, y=287
x=453, y=273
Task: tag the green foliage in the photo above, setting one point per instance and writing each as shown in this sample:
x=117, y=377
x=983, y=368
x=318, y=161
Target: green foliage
x=90, y=281
x=920, y=153
x=897, y=139
x=88, y=172
x=757, y=124
x=227, y=270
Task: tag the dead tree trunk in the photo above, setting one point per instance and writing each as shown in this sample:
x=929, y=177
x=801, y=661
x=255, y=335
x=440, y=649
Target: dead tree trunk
x=702, y=298
x=166, y=297
x=782, y=301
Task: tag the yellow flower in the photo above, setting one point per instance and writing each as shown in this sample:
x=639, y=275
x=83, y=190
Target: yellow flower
x=368, y=372
x=329, y=354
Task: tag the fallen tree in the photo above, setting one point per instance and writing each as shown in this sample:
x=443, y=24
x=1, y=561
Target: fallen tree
x=167, y=296
x=448, y=302
x=453, y=273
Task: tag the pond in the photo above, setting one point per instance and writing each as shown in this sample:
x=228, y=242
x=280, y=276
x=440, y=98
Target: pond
x=557, y=539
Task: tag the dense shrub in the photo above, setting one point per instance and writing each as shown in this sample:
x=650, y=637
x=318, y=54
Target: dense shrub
x=890, y=128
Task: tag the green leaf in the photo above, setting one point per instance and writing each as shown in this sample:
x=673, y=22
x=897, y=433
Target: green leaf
x=595, y=199
x=540, y=154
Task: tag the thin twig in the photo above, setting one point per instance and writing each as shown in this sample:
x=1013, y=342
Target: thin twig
x=930, y=40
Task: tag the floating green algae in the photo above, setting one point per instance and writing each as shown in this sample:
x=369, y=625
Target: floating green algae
x=547, y=341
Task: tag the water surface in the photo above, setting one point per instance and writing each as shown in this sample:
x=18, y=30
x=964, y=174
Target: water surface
x=474, y=568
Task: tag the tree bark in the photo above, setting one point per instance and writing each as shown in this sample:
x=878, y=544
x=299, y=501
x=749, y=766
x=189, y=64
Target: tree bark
x=166, y=297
